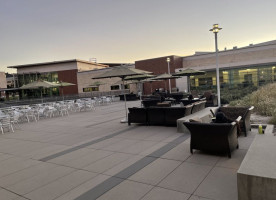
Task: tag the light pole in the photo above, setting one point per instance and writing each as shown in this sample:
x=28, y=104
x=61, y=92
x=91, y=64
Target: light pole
x=215, y=30
x=168, y=61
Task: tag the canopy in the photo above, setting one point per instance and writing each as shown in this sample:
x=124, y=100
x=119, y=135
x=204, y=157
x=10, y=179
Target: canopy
x=39, y=84
x=122, y=72
x=189, y=72
x=165, y=77
x=139, y=77
x=150, y=80
x=64, y=84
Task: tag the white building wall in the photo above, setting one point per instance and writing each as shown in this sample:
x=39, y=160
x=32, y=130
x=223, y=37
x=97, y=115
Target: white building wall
x=85, y=80
x=3, y=81
x=48, y=68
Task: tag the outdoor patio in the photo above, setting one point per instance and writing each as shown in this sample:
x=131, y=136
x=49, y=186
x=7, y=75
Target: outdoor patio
x=91, y=155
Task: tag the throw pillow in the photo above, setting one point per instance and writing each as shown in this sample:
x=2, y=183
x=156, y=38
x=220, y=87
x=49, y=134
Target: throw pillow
x=196, y=119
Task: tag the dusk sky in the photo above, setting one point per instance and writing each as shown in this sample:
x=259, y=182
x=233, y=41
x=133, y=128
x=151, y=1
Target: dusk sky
x=33, y=31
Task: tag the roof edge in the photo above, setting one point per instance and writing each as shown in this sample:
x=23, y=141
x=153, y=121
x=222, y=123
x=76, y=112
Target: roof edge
x=55, y=62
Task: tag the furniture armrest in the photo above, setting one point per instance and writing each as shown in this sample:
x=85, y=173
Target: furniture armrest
x=251, y=108
x=238, y=119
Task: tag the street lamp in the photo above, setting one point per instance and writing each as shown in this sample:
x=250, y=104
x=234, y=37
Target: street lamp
x=215, y=30
x=168, y=61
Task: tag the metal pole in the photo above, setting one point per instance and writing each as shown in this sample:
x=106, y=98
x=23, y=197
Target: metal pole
x=169, y=79
x=217, y=69
x=126, y=119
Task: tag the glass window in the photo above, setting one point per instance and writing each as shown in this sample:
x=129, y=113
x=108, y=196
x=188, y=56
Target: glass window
x=90, y=89
x=114, y=87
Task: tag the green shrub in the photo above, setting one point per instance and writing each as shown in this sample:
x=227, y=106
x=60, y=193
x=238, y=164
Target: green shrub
x=264, y=101
x=273, y=119
x=232, y=94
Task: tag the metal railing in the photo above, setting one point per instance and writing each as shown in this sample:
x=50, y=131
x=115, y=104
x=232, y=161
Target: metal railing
x=31, y=101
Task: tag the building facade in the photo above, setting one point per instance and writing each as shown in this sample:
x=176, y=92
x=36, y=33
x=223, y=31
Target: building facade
x=253, y=65
x=3, y=83
x=78, y=72
x=114, y=85
x=58, y=71
x=159, y=66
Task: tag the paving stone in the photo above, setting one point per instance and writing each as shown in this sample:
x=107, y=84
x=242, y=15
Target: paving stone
x=186, y=178
x=40, y=180
x=194, y=197
x=83, y=188
x=127, y=190
x=14, y=164
x=234, y=162
x=119, y=146
x=86, y=159
x=245, y=142
x=155, y=171
x=158, y=193
x=107, y=162
x=220, y=184
x=25, y=174
x=202, y=158
x=123, y=165
x=180, y=153
x=139, y=147
x=6, y=195
x=61, y=186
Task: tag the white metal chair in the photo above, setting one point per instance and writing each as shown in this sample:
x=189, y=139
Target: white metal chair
x=5, y=122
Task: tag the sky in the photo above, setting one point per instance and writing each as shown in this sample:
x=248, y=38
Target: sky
x=124, y=31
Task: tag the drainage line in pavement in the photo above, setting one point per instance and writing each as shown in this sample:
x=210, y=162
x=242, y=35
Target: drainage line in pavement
x=84, y=145
x=115, y=180
x=103, y=122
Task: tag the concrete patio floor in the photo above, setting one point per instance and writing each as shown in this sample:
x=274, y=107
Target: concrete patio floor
x=91, y=155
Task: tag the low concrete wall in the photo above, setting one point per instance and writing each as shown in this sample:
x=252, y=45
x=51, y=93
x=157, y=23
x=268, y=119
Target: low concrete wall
x=205, y=115
x=257, y=174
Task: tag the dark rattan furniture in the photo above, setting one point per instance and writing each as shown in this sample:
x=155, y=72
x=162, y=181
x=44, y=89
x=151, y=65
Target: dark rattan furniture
x=213, y=137
x=233, y=112
x=211, y=99
x=129, y=97
x=163, y=116
x=137, y=115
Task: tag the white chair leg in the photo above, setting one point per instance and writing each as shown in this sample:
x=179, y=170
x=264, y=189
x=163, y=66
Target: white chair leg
x=11, y=127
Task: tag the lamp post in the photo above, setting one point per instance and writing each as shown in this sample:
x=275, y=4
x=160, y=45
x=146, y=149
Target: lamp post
x=215, y=30
x=168, y=61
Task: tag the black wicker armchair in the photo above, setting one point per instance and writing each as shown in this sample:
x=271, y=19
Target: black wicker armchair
x=213, y=137
x=233, y=112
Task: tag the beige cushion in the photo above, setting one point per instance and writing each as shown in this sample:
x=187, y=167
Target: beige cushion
x=195, y=119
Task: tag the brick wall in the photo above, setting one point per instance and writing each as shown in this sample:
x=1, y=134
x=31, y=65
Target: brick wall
x=69, y=76
x=159, y=66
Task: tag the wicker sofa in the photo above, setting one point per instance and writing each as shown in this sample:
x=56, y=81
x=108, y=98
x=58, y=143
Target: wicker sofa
x=200, y=105
x=211, y=99
x=137, y=115
x=213, y=137
x=129, y=97
x=234, y=112
x=162, y=116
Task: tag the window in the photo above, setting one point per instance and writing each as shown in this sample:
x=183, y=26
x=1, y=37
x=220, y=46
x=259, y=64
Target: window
x=248, y=78
x=205, y=81
x=115, y=87
x=90, y=89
